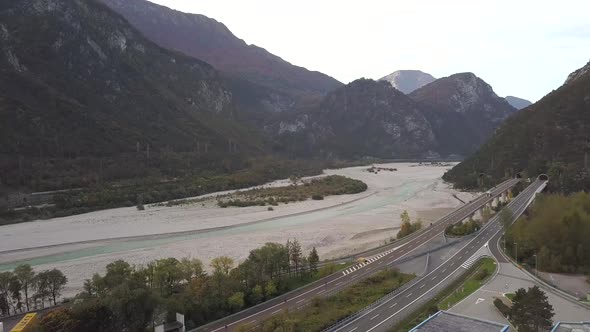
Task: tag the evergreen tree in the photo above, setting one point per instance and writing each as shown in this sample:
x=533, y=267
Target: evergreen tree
x=313, y=260
x=531, y=311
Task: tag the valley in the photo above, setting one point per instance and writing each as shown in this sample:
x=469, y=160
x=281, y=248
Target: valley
x=337, y=226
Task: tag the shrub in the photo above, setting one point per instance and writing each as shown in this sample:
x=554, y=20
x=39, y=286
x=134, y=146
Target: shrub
x=503, y=308
x=140, y=207
x=270, y=208
x=317, y=197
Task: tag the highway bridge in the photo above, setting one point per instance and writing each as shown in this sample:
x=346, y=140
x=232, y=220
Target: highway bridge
x=379, y=259
x=391, y=310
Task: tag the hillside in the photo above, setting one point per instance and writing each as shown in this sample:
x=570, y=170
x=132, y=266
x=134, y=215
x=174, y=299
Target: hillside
x=407, y=81
x=551, y=136
x=211, y=41
x=464, y=111
x=82, y=91
x=364, y=118
x=517, y=103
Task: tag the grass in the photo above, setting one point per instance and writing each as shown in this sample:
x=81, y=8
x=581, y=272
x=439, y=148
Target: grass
x=473, y=283
x=510, y=296
x=323, y=312
x=467, y=284
x=323, y=271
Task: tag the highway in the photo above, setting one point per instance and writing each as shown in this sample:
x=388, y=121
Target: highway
x=380, y=258
x=388, y=312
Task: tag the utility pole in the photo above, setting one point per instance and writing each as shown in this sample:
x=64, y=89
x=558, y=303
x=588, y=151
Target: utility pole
x=516, y=252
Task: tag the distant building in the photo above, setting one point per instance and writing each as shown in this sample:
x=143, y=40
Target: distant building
x=571, y=327
x=444, y=321
x=177, y=326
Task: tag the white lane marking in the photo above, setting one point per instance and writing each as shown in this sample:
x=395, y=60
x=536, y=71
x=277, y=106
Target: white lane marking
x=300, y=301
x=419, y=297
x=338, y=283
x=393, y=305
x=320, y=292
x=276, y=311
x=252, y=321
x=353, y=329
x=421, y=286
x=377, y=315
x=443, y=271
x=409, y=295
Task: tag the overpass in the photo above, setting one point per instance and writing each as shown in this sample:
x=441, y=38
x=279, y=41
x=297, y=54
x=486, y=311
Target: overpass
x=378, y=259
x=389, y=311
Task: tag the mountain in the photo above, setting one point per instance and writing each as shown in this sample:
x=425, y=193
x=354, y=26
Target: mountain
x=79, y=82
x=211, y=41
x=517, y=103
x=361, y=119
x=407, y=81
x=551, y=136
x=464, y=111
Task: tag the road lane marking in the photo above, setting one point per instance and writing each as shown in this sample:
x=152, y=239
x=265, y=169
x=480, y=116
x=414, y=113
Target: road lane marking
x=409, y=295
x=377, y=315
x=353, y=329
x=320, y=292
x=421, y=286
x=252, y=321
x=393, y=305
x=274, y=312
x=443, y=271
x=300, y=301
x=338, y=283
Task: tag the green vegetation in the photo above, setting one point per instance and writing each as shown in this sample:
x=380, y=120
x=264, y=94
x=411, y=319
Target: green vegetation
x=129, y=298
x=462, y=228
x=557, y=230
x=153, y=189
x=323, y=312
x=510, y=296
x=530, y=310
x=23, y=287
x=485, y=269
x=407, y=226
x=548, y=137
x=315, y=189
x=470, y=281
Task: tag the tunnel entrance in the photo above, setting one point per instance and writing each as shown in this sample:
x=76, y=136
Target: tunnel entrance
x=543, y=177
x=519, y=175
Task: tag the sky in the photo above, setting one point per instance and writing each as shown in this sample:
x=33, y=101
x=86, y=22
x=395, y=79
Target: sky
x=524, y=48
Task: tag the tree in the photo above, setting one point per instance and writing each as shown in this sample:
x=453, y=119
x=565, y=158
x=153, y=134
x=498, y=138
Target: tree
x=295, y=255
x=506, y=218
x=5, y=278
x=40, y=284
x=405, y=217
x=236, y=301
x=24, y=273
x=313, y=260
x=56, y=281
x=531, y=310
x=257, y=294
x=222, y=265
x=118, y=272
x=167, y=274
x=191, y=268
x=270, y=289
x=59, y=320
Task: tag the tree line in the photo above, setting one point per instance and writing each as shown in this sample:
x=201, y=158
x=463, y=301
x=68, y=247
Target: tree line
x=133, y=298
x=408, y=227
x=23, y=289
x=557, y=231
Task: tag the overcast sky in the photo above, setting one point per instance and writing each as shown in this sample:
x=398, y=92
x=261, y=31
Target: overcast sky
x=524, y=48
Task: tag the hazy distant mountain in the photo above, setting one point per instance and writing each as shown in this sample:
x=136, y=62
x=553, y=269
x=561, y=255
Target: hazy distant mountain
x=551, y=136
x=207, y=39
x=464, y=111
x=363, y=118
x=407, y=81
x=517, y=103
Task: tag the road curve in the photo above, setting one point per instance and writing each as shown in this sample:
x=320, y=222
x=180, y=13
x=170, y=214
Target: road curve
x=335, y=282
x=389, y=311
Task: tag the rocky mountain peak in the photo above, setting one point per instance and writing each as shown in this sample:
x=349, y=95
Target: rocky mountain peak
x=578, y=74
x=408, y=80
x=517, y=103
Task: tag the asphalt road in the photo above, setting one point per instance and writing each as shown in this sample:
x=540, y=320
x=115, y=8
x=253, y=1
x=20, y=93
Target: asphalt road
x=390, y=311
x=331, y=284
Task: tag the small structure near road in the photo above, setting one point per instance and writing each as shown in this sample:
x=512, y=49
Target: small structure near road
x=571, y=327
x=444, y=321
x=177, y=326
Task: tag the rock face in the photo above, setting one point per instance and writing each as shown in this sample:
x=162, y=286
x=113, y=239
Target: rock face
x=517, y=103
x=464, y=111
x=78, y=80
x=209, y=40
x=363, y=118
x=551, y=136
x=407, y=81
